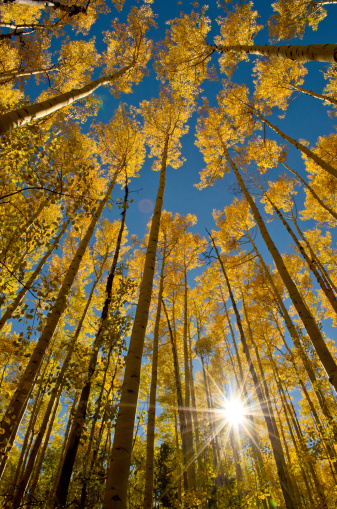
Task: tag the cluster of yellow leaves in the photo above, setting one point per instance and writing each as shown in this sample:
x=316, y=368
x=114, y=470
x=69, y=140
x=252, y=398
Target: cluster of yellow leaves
x=275, y=80
x=280, y=192
x=184, y=59
x=20, y=14
x=294, y=16
x=127, y=45
x=239, y=27
x=233, y=223
x=121, y=144
x=78, y=60
x=322, y=182
x=265, y=153
x=223, y=127
x=331, y=87
x=166, y=117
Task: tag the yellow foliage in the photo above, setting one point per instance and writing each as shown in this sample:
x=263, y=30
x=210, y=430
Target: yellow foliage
x=275, y=77
x=294, y=16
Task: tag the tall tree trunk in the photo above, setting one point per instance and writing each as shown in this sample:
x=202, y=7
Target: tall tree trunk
x=89, y=465
x=9, y=421
x=300, y=53
x=209, y=420
x=322, y=97
x=55, y=395
x=37, y=466
x=61, y=460
x=117, y=481
x=327, y=290
x=294, y=336
x=149, y=468
x=311, y=191
x=188, y=417
x=181, y=413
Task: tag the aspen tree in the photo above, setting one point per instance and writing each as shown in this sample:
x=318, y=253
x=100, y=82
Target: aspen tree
x=171, y=228
x=163, y=125
x=55, y=395
x=230, y=227
x=277, y=80
x=213, y=135
x=127, y=50
x=149, y=474
x=180, y=402
x=187, y=51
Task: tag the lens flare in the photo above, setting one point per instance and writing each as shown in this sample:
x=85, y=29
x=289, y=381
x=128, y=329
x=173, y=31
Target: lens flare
x=234, y=411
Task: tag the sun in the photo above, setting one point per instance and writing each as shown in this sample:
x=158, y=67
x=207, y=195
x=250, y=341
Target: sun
x=234, y=411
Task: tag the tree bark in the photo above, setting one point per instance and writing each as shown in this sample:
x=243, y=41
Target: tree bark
x=22, y=116
x=54, y=395
x=149, y=468
x=117, y=481
x=305, y=150
x=311, y=190
x=300, y=53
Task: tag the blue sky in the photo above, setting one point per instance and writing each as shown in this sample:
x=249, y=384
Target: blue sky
x=305, y=118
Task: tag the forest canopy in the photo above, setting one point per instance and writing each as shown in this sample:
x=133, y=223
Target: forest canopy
x=168, y=254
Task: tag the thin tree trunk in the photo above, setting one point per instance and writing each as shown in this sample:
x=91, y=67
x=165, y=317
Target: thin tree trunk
x=327, y=290
x=322, y=97
x=14, y=305
x=188, y=417
x=312, y=191
x=194, y=414
x=181, y=413
x=61, y=461
x=294, y=336
x=37, y=467
x=9, y=421
x=89, y=464
x=25, y=227
x=209, y=416
x=315, y=260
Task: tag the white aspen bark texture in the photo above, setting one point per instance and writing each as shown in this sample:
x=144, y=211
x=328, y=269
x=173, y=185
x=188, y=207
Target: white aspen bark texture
x=298, y=52
x=24, y=115
x=118, y=474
